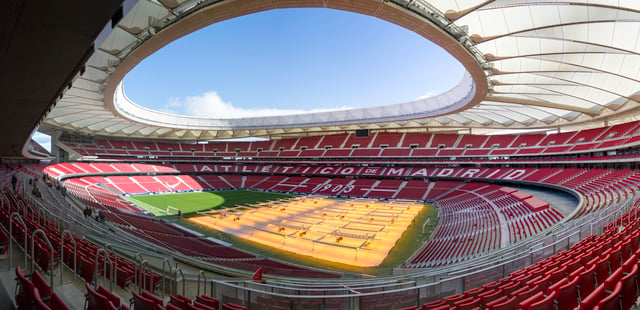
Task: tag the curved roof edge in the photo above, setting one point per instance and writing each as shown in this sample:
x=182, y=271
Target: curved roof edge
x=113, y=117
x=456, y=98
x=531, y=69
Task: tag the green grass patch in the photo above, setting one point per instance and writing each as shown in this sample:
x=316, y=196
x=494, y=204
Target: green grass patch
x=413, y=238
x=190, y=203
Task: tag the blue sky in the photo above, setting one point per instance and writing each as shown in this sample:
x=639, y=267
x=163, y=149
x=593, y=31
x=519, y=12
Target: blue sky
x=289, y=61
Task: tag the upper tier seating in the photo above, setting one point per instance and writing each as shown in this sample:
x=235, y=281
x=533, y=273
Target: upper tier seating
x=401, y=145
x=388, y=139
x=444, y=140
x=472, y=141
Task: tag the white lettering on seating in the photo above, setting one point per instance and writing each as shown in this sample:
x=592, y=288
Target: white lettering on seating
x=246, y=169
x=347, y=170
x=445, y=172
x=317, y=187
x=469, y=173
x=492, y=173
x=266, y=168
x=423, y=172
x=348, y=188
x=371, y=170
x=337, y=188
x=206, y=168
x=395, y=171
x=226, y=168
x=514, y=174
x=286, y=169
x=326, y=170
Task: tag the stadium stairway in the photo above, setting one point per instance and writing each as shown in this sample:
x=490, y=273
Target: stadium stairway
x=71, y=289
x=72, y=292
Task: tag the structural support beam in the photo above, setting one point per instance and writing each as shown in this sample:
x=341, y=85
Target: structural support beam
x=544, y=104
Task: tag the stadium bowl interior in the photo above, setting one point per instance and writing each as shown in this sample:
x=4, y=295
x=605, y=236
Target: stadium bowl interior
x=402, y=206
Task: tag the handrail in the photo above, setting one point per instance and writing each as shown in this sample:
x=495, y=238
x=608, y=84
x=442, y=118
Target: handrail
x=114, y=275
x=164, y=263
x=142, y=270
x=138, y=255
x=33, y=256
x=178, y=270
x=104, y=268
x=201, y=272
x=17, y=215
x=20, y=204
x=75, y=255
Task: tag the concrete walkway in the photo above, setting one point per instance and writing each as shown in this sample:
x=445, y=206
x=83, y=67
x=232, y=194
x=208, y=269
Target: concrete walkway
x=563, y=202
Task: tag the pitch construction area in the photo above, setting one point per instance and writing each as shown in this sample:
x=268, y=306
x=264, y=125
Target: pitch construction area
x=358, y=232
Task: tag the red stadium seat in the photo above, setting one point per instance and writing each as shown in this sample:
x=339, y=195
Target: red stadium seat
x=489, y=296
x=508, y=288
x=38, y=303
x=153, y=298
x=611, y=302
x=171, y=307
x=524, y=292
x=180, y=303
x=586, y=280
x=592, y=300
x=435, y=304
x=232, y=306
x=554, y=287
x=547, y=303
x=629, y=288
x=502, y=303
x=567, y=295
x=209, y=301
x=534, y=299
x=24, y=290
x=184, y=298
x=56, y=303
x=442, y=307
x=467, y=303
x=203, y=306
x=115, y=300
x=95, y=301
x=44, y=290
x=602, y=271
x=142, y=303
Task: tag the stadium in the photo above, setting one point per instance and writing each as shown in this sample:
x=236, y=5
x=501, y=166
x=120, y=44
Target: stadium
x=515, y=189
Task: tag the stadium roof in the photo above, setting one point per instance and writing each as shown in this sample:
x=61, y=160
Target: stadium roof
x=531, y=65
x=40, y=53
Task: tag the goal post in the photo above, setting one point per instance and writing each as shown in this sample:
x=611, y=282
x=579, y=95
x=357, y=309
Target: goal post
x=169, y=208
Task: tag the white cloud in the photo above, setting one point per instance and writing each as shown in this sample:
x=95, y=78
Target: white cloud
x=43, y=140
x=210, y=104
x=428, y=95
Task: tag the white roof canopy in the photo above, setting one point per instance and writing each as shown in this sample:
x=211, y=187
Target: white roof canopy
x=551, y=64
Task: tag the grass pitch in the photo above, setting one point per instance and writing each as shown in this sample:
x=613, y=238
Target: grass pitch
x=199, y=201
x=189, y=203
x=405, y=247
